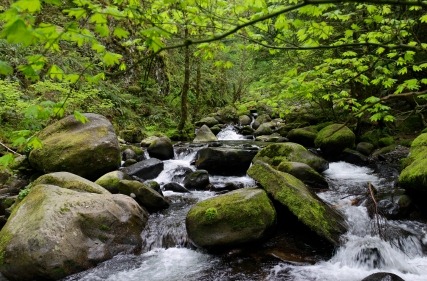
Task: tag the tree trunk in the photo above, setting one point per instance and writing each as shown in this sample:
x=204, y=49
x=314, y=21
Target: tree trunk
x=185, y=87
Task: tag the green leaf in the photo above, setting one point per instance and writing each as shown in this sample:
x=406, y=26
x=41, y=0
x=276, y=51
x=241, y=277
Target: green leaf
x=28, y=5
x=18, y=33
x=56, y=72
x=72, y=78
x=120, y=33
x=34, y=143
x=111, y=59
x=80, y=117
x=372, y=99
x=99, y=48
x=424, y=18
x=5, y=68
x=6, y=160
x=402, y=71
x=78, y=13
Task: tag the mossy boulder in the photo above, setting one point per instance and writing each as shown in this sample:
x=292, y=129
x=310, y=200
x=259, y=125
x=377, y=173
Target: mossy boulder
x=333, y=139
x=197, y=180
x=304, y=136
x=55, y=232
x=274, y=154
x=366, y=148
x=303, y=203
x=88, y=150
x=414, y=176
x=263, y=118
x=161, y=148
x=225, y=160
x=145, y=169
x=111, y=180
x=245, y=120
x=146, y=196
x=204, y=134
x=264, y=129
x=208, y=121
x=231, y=219
x=303, y=172
x=147, y=141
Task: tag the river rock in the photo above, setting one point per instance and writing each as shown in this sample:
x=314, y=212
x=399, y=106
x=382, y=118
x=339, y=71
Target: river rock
x=274, y=154
x=234, y=218
x=161, y=148
x=333, y=139
x=304, y=136
x=304, y=204
x=111, y=180
x=264, y=129
x=263, y=118
x=88, y=150
x=354, y=157
x=147, y=197
x=197, y=180
x=244, y=120
x=204, y=134
x=382, y=276
x=366, y=148
x=225, y=161
x=275, y=137
x=148, y=141
x=145, y=169
x=304, y=173
x=55, y=232
x=208, y=121
x=128, y=154
x=176, y=187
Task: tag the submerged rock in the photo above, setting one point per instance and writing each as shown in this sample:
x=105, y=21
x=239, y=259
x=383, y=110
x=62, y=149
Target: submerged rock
x=176, y=187
x=224, y=160
x=237, y=217
x=382, y=276
x=55, y=231
x=274, y=154
x=307, y=206
x=88, y=150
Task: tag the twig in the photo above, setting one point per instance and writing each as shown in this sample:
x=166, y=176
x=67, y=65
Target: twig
x=9, y=149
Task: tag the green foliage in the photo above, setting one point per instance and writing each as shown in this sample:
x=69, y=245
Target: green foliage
x=24, y=192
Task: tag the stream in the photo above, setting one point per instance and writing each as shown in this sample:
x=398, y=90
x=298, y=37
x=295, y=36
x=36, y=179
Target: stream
x=168, y=255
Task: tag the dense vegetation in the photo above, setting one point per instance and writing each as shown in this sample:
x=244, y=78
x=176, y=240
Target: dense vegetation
x=158, y=65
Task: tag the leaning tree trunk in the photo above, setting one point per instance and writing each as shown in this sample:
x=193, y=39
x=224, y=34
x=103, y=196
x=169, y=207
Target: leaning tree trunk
x=185, y=88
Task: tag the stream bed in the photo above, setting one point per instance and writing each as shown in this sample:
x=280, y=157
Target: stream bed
x=168, y=255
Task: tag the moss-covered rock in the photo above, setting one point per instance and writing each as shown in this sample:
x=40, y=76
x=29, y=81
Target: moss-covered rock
x=333, y=139
x=237, y=217
x=304, y=136
x=264, y=129
x=244, y=120
x=304, y=173
x=161, y=148
x=88, y=150
x=304, y=204
x=263, y=118
x=208, y=121
x=143, y=194
x=204, y=134
x=111, y=180
x=55, y=232
x=274, y=154
x=366, y=148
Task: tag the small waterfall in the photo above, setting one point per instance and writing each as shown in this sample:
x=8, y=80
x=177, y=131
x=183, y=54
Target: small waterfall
x=229, y=133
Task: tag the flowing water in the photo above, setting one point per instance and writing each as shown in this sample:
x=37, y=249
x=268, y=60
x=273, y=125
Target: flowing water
x=168, y=255
x=229, y=133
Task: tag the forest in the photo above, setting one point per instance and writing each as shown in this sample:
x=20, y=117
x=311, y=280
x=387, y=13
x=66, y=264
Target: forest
x=158, y=66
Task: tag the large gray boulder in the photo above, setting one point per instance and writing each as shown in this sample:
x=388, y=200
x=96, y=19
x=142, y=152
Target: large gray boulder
x=55, y=231
x=274, y=154
x=204, y=134
x=237, y=217
x=145, y=169
x=197, y=180
x=88, y=150
x=161, y=148
x=225, y=161
x=298, y=199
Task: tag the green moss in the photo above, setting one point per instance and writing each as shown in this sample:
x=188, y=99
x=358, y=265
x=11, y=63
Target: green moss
x=386, y=141
x=335, y=138
x=211, y=214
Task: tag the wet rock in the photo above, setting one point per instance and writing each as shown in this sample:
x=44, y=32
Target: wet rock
x=204, y=134
x=382, y=276
x=128, y=154
x=234, y=218
x=143, y=194
x=111, y=180
x=88, y=150
x=275, y=137
x=129, y=162
x=263, y=118
x=274, y=154
x=145, y=169
x=55, y=232
x=304, y=204
x=304, y=136
x=224, y=160
x=161, y=148
x=208, y=121
x=366, y=148
x=197, y=180
x=180, y=173
x=264, y=129
x=244, y=120
x=354, y=157
x=304, y=173
x=148, y=141
x=176, y=187
x=333, y=139
x=246, y=131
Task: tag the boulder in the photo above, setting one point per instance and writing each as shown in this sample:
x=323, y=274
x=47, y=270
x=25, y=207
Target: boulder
x=304, y=136
x=305, y=173
x=146, y=196
x=382, y=276
x=161, y=148
x=234, y=218
x=274, y=154
x=128, y=154
x=197, y=180
x=225, y=161
x=176, y=187
x=244, y=120
x=88, y=150
x=263, y=118
x=366, y=148
x=246, y=131
x=208, y=121
x=148, y=141
x=354, y=157
x=111, y=180
x=145, y=169
x=298, y=199
x=275, y=137
x=55, y=232
x=204, y=134
x=333, y=139
x=264, y=129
